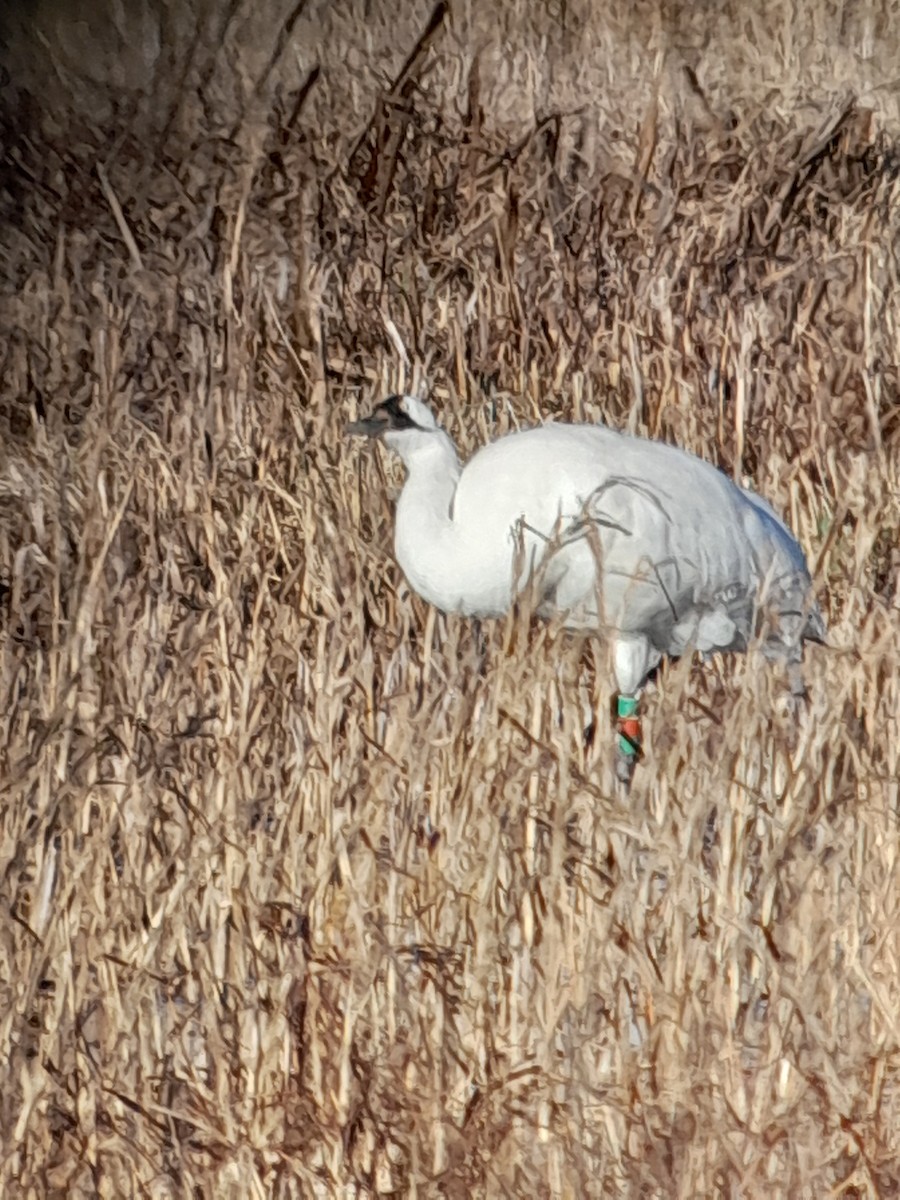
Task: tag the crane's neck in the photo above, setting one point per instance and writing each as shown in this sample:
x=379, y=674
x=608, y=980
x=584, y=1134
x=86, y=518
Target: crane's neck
x=426, y=540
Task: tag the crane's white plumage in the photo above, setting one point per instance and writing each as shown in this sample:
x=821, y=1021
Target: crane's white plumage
x=647, y=544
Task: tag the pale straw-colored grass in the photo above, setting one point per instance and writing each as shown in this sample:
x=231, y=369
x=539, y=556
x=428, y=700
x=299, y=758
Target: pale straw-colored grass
x=308, y=890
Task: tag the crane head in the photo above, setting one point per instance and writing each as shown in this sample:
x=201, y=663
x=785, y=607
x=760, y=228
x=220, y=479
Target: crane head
x=396, y=414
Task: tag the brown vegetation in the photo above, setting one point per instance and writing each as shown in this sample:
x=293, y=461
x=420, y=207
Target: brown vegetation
x=308, y=890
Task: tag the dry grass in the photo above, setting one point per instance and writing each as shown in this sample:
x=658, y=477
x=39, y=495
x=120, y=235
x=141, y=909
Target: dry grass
x=308, y=891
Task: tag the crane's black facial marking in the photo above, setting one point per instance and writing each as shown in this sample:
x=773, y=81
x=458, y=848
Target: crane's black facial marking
x=398, y=417
x=388, y=416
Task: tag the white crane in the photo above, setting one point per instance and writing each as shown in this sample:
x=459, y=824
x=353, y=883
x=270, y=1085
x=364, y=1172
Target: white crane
x=644, y=543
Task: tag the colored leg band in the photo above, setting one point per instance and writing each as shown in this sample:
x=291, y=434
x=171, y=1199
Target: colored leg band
x=628, y=726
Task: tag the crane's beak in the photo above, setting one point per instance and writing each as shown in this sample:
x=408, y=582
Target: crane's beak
x=368, y=427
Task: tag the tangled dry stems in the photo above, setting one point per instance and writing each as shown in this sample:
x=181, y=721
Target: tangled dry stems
x=307, y=889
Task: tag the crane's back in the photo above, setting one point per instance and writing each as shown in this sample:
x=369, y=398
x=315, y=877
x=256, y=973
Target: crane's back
x=675, y=543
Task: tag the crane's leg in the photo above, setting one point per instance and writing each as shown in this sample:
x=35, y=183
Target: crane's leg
x=796, y=683
x=633, y=658
x=628, y=743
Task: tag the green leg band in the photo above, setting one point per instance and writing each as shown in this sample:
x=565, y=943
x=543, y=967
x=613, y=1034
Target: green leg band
x=629, y=726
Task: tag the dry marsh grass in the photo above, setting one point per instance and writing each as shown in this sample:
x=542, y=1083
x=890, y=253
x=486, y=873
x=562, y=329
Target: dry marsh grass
x=308, y=890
